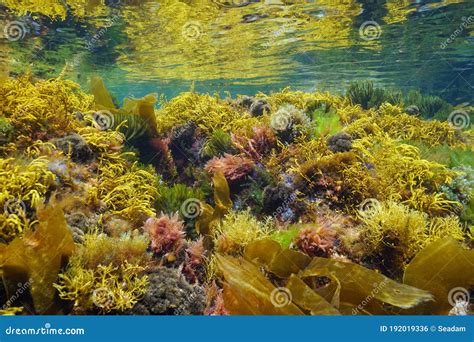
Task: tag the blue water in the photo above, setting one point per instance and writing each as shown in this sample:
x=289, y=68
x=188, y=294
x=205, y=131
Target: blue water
x=405, y=45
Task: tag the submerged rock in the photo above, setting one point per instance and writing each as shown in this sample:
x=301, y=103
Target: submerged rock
x=259, y=107
x=340, y=142
x=77, y=147
x=412, y=110
x=246, y=101
x=169, y=293
x=79, y=224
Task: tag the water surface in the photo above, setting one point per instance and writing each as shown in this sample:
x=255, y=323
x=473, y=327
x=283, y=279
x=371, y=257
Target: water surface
x=244, y=47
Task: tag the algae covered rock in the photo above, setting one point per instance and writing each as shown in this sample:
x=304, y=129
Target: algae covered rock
x=259, y=107
x=340, y=142
x=75, y=145
x=169, y=293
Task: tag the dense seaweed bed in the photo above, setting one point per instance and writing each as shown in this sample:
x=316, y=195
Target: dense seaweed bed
x=281, y=203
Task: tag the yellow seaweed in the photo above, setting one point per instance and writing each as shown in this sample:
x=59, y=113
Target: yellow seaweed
x=444, y=268
x=247, y=291
x=306, y=298
x=37, y=256
x=281, y=262
x=366, y=288
x=211, y=216
x=102, y=97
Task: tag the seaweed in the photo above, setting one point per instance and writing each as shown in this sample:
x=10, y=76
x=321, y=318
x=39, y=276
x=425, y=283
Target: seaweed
x=105, y=274
x=218, y=144
x=429, y=106
x=394, y=234
x=357, y=284
x=317, y=205
x=247, y=291
x=326, y=123
x=171, y=199
x=37, y=258
x=102, y=97
x=368, y=96
x=351, y=288
x=443, y=269
x=211, y=216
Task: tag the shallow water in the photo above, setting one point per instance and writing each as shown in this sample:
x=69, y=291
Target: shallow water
x=214, y=46
x=283, y=203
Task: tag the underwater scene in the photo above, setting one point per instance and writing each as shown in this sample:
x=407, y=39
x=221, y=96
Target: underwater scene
x=232, y=157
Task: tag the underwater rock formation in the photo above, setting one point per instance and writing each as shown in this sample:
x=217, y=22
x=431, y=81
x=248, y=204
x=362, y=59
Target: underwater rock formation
x=75, y=145
x=169, y=293
x=340, y=142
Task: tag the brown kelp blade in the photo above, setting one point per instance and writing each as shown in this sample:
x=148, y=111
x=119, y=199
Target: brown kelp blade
x=248, y=292
x=37, y=257
x=444, y=268
x=361, y=287
x=306, y=298
x=145, y=108
x=279, y=261
x=211, y=216
x=102, y=97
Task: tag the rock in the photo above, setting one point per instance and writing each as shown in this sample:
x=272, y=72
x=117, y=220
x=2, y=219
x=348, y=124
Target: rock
x=340, y=142
x=412, y=110
x=77, y=146
x=169, y=293
x=259, y=107
x=276, y=199
x=246, y=101
x=79, y=224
